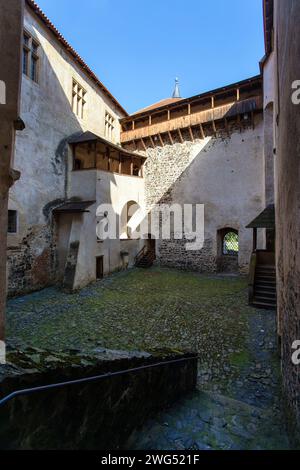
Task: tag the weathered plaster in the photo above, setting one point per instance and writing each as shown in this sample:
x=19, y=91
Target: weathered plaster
x=226, y=174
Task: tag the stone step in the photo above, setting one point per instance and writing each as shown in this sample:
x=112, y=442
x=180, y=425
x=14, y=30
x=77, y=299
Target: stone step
x=261, y=292
x=264, y=304
x=266, y=287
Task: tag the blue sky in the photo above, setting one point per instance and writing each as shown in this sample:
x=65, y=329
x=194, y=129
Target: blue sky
x=138, y=47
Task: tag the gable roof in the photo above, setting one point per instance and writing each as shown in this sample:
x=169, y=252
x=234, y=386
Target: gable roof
x=41, y=15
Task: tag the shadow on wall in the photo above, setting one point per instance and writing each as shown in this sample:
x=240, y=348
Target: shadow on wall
x=223, y=172
x=42, y=155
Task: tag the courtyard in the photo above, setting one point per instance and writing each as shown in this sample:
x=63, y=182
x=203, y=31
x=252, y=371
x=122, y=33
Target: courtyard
x=166, y=309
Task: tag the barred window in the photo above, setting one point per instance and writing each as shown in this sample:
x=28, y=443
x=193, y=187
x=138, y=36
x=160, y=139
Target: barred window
x=109, y=126
x=78, y=99
x=231, y=243
x=12, y=222
x=30, y=61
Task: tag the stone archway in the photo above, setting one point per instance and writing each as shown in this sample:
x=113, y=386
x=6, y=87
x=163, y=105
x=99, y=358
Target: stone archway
x=228, y=250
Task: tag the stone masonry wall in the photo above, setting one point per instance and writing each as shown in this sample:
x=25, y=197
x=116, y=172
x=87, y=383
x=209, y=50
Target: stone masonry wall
x=288, y=201
x=31, y=263
x=225, y=173
x=95, y=415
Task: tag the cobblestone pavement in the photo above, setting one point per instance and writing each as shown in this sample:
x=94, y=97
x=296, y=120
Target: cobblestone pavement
x=238, y=404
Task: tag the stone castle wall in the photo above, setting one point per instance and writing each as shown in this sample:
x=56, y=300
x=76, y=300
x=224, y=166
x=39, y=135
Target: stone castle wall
x=223, y=172
x=41, y=155
x=288, y=202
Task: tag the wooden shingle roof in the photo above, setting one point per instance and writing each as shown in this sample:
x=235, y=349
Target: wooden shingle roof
x=266, y=219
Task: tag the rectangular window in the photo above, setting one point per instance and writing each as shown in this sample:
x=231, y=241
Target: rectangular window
x=12, y=222
x=109, y=126
x=78, y=100
x=30, y=57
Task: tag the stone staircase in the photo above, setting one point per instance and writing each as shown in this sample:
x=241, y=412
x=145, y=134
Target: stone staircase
x=265, y=287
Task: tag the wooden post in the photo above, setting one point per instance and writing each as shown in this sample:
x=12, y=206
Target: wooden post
x=131, y=167
x=120, y=164
x=73, y=146
x=151, y=140
x=202, y=131
x=191, y=133
x=180, y=135
x=108, y=157
x=160, y=139
x=254, y=239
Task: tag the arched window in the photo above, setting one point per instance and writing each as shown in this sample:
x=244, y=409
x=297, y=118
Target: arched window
x=230, y=242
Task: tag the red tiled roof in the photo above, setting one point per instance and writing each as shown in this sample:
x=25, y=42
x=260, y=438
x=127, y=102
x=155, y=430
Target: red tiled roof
x=41, y=15
x=157, y=105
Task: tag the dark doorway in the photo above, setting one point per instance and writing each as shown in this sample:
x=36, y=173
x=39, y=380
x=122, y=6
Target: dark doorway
x=99, y=267
x=151, y=244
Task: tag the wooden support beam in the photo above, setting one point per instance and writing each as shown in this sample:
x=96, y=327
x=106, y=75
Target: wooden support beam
x=214, y=127
x=226, y=126
x=143, y=144
x=191, y=134
x=120, y=164
x=133, y=125
x=150, y=119
x=202, y=131
x=108, y=158
x=169, y=115
x=189, y=108
x=213, y=102
x=238, y=94
x=170, y=137
x=151, y=140
x=161, y=140
x=74, y=154
x=180, y=135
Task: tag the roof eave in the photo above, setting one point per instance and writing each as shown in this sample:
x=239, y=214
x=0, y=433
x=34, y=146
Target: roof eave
x=192, y=98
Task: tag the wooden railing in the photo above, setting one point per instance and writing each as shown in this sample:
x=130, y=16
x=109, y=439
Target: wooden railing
x=140, y=254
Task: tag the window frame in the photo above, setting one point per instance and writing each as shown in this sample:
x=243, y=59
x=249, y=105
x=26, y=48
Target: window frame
x=9, y=232
x=224, y=233
x=79, y=94
x=31, y=47
x=109, y=125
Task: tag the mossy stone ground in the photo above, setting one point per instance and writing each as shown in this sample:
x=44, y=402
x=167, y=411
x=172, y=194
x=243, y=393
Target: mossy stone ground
x=160, y=308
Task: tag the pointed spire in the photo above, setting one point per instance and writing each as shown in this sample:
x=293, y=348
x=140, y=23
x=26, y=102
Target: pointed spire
x=176, y=92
